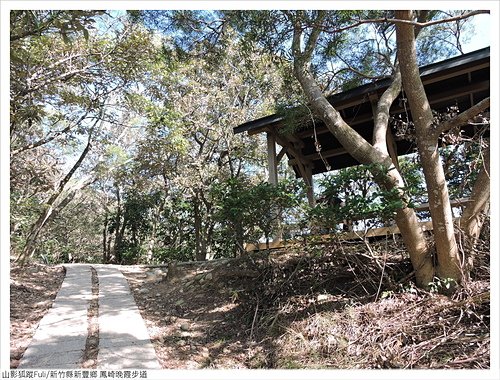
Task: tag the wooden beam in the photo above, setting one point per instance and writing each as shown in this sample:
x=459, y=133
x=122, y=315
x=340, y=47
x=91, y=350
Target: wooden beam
x=433, y=99
x=461, y=202
x=301, y=161
x=438, y=78
x=303, y=164
x=462, y=91
x=257, y=131
x=281, y=153
x=316, y=156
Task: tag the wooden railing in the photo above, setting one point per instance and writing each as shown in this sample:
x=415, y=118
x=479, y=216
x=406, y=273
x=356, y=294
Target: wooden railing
x=351, y=235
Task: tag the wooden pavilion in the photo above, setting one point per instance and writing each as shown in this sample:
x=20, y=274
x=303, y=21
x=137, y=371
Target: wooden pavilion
x=460, y=81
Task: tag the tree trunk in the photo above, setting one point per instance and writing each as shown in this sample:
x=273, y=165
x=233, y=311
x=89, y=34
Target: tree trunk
x=472, y=219
x=414, y=239
x=116, y=254
x=119, y=242
x=105, y=252
x=75, y=191
x=365, y=153
x=198, y=233
x=31, y=241
x=239, y=243
x=448, y=260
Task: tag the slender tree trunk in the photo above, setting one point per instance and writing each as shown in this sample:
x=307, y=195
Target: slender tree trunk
x=153, y=239
x=75, y=191
x=119, y=242
x=31, y=241
x=208, y=242
x=200, y=254
x=151, y=243
x=239, y=239
x=105, y=252
x=476, y=211
x=116, y=254
x=471, y=221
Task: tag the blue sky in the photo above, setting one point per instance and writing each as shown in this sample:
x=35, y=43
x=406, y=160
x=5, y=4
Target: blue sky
x=482, y=33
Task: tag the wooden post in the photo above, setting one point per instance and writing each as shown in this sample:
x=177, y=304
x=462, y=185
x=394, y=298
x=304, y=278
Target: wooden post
x=272, y=161
x=310, y=185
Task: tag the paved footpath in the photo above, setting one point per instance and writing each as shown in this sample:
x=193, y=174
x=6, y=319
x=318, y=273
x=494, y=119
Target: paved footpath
x=123, y=336
x=59, y=341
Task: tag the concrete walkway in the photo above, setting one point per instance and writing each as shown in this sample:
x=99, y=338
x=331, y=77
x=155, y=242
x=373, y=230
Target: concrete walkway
x=123, y=336
x=59, y=341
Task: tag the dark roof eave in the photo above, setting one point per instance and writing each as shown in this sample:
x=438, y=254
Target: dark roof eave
x=430, y=69
x=254, y=124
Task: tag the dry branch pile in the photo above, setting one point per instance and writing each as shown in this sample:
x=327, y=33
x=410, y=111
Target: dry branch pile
x=352, y=306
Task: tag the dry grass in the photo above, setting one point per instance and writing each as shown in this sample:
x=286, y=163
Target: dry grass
x=338, y=305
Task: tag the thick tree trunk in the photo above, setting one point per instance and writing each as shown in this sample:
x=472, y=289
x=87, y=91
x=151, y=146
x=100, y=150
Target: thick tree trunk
x=414, y=239
x=448, y=260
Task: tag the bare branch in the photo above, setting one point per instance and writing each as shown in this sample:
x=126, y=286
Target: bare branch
x=462, y=118
x=313, y=38
x=408, y=22
x=48, y=138
x=297, y=34
x=354, y=70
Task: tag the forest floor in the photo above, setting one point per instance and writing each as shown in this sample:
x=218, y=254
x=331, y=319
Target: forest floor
x=320, y=306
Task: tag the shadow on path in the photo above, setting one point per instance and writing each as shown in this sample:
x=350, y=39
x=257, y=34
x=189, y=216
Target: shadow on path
x=60, y=340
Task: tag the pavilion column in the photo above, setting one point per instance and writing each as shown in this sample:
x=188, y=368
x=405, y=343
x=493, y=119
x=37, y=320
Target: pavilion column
x=309, y=185
x=272, y=160
x=272, y=163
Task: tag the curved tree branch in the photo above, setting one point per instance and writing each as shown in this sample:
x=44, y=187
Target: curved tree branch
x=381, y=118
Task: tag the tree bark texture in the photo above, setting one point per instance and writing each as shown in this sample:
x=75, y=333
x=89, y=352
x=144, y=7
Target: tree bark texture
x=447, y=254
